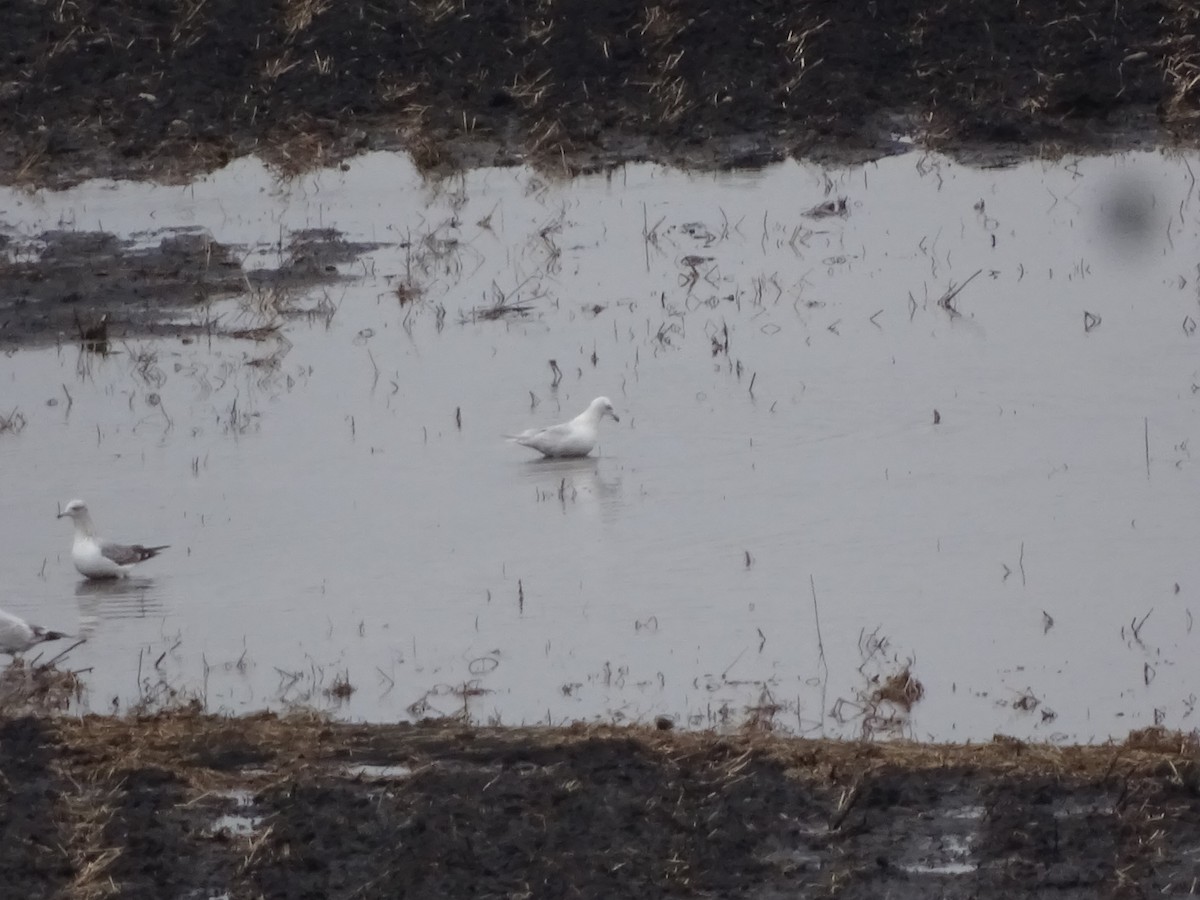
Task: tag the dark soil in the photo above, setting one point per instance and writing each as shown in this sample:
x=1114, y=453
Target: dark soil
x=109, y=807
x=93, y=289
x=33, y=860
x=162, y=89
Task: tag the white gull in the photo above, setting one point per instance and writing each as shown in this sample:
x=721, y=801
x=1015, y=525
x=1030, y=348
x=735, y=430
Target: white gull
x=574, y=438
x=98, y=558
x=17, y=635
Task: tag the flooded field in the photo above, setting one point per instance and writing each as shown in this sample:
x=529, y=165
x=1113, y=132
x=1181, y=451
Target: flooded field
x=910, y=417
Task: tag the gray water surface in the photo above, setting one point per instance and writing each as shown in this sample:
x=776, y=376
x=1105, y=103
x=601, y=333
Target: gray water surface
x=777, y=518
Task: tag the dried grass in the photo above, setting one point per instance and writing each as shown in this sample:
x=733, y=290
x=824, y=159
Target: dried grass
x=899, y=688
x=302, y=740
x=426, y=152
x=299, y=14
x=87, y=811
x=28, y=688
x=434, y=11
x=304, y=149
x=1180, y=55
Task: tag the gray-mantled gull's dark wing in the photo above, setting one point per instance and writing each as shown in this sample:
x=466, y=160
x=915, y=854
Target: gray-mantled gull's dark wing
x=128, y=554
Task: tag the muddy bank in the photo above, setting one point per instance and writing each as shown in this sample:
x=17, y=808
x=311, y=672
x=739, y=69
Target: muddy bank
x=163, y=90
x=191, y=805
x=169, y=90
x=95, y=290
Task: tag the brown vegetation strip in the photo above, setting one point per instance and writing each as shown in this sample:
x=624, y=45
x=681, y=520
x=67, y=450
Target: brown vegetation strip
x=202, y=746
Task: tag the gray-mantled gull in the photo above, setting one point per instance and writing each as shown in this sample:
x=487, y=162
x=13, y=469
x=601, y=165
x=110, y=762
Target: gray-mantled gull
x=574, y=438
x=98, y=558
x=17, y=635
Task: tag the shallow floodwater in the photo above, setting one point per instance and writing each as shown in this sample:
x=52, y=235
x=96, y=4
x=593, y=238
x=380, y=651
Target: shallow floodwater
x=821, y=474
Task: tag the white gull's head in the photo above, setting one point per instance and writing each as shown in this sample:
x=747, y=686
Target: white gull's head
x=601, y=407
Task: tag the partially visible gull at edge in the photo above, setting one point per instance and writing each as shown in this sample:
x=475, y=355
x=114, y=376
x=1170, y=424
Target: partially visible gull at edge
x=95, y=557
x=17, y=635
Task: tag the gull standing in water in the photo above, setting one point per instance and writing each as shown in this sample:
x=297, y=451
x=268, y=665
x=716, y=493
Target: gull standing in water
x=17, y=635
x=574, y=438
x=98, y=558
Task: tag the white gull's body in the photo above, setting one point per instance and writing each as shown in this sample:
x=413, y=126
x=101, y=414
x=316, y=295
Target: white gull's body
x=17, y=635
x=574, y=438
x=98, y=558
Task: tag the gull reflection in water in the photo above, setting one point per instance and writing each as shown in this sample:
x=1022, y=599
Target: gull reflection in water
x=116, y=598
x=580, y=482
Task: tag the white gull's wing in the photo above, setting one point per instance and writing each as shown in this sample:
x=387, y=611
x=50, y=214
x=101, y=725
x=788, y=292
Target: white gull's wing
x=546, y=438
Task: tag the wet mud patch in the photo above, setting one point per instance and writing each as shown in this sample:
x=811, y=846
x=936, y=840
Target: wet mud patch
x=1063, y=833
x=161, y=90
x=33, y=861
x=608, y=818
x=1163, y=817
x=225, y=751
x=92, y=288
x=163, y=853
x=304, y=807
